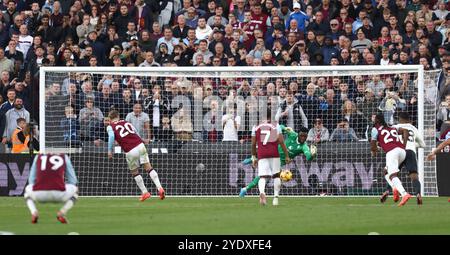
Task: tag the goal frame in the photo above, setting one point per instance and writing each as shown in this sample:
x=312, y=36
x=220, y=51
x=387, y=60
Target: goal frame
x=178, y=72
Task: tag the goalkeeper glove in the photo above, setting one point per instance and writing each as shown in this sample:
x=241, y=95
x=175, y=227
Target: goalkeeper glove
x=313, y=150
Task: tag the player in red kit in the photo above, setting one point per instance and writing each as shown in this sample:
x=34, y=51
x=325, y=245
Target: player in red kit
x=136, y=153
x=265, y=140
x=389, y=140
x=46, y=184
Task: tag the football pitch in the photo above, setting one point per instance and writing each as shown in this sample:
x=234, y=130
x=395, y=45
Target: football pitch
x=223, y=216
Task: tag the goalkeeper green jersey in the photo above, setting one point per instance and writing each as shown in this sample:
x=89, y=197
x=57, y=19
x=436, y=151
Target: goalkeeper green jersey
x=294, y=147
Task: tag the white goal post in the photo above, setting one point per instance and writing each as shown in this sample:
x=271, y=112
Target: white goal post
x=196, y=161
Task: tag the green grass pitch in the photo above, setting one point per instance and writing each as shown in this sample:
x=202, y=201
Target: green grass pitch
x=212, y=216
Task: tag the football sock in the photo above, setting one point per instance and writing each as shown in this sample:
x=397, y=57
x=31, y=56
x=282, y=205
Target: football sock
x=31, y=206
x=389, y=184
x=67, y=206
x=262, y=185
x=398, y=185
x=276, y=187
x=416, y=186
x=253, y=183
x=140, y=183
x=154, y=175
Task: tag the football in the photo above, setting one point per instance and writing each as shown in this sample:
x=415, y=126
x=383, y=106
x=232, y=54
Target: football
x=286, y=175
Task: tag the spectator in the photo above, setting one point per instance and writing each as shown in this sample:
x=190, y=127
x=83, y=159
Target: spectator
x=299, y=16
x=71, y=127
x=100, y=132
x=141, y=122
x=343, y=133
x=319, y=133
x=126, y=104
x=330, y=107
x=390, y=104
x=90, y=119
x=377, y=86
x=211, y=125
x=443, y=114
x=291, y=114
x=166, y=132
x=319, y=24
x=231, y=122
x=355, y=118
x=182, y=125
x=5, y=63
x=203, y=30
x=11, y=117
x=167, y=39
x=361, y=42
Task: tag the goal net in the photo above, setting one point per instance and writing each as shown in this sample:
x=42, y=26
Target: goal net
x=196, y=123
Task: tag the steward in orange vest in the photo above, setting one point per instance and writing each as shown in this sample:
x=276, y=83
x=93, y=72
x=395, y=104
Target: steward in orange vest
x=21, y=137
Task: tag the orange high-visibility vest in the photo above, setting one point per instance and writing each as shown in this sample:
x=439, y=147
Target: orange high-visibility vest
x=17, y=145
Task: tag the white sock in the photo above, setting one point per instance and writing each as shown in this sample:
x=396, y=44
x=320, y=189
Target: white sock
x=154, y=175
x=398, y=185
x=262, y=185
x=67, y=206
x=276, y=187
x=389, y=180
x=140, y=183
x=31, y=206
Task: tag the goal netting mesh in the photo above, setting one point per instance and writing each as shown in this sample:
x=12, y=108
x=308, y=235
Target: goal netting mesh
x=196, y=123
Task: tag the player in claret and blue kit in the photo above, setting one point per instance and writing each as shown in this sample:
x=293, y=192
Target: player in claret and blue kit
x=389, y=140
x=296, y=145
x=265, y=140
x=136, y=153
x=46, y=184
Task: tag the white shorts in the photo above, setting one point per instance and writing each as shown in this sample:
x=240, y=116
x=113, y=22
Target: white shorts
x=51, y=195
x=137, y=156
x=393, y=160
x=269, y=166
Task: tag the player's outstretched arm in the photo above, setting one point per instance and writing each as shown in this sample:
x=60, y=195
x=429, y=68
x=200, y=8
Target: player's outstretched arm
x=254, y=157
x=70, y=172
x=307, y=152
x=437, y=149
x=32, y=177
x=110, y=141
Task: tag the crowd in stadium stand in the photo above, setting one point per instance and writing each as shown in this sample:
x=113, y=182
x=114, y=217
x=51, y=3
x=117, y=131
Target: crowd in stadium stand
x=220, y=33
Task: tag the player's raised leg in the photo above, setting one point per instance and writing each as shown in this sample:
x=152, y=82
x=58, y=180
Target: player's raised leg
x=251, y=185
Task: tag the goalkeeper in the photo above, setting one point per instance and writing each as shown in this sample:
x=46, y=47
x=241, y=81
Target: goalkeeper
x=296, y=145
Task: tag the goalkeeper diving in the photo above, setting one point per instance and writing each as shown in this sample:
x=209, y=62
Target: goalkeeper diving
x=296, y=145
